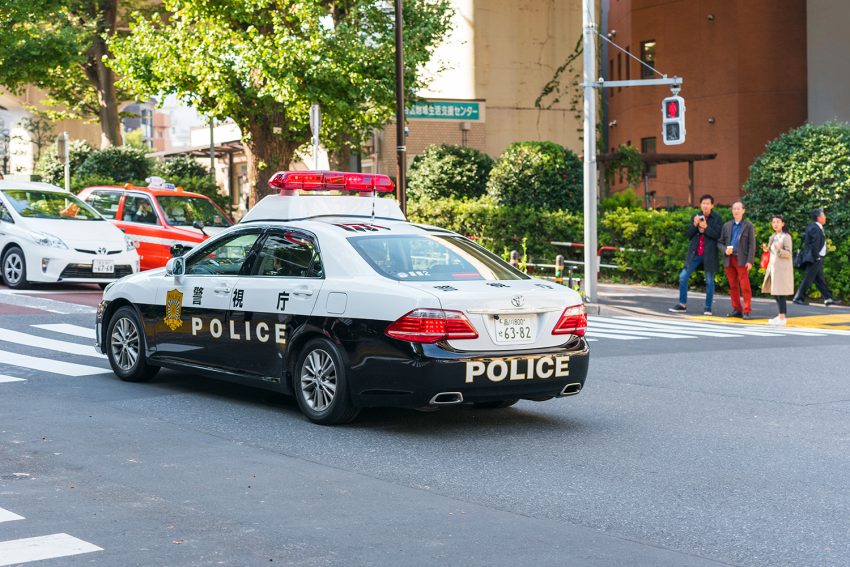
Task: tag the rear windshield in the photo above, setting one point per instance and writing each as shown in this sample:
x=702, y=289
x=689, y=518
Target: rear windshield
x=183, y=211
x=432, y=258
x=38, y=204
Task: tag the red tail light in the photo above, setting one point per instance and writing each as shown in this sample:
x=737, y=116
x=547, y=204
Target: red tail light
x=431, y=326
x=573, y=321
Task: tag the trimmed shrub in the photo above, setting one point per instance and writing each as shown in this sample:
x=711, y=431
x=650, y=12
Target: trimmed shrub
x=123, y=164
x=542, y=175
x=625, y=199
x=806, y=168
x=181, y=166
x=52, y=170
x=447, y=171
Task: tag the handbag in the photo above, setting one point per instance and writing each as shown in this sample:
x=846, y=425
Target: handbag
x=799, y=263
x=765, y=259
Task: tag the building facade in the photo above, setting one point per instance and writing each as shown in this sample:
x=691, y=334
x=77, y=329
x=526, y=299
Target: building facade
x=744, y=66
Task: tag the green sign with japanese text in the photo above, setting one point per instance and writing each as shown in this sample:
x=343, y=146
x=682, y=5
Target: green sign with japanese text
x=460, y=110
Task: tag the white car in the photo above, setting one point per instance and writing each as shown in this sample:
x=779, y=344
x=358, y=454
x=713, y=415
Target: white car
x=49, y=235
x=341, y=302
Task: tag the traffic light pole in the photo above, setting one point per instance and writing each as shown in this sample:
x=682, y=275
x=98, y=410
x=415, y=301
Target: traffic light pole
x=590, y=234
x=401, y=147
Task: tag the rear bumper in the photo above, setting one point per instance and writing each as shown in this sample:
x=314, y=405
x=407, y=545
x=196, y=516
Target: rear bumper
x=411, y=375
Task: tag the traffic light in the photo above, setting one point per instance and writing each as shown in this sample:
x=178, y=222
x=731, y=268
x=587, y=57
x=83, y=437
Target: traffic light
x=673, y=120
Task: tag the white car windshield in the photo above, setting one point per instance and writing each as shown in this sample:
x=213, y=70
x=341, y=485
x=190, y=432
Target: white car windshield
x=184, y=211
x=432, y=258
x=36, y=203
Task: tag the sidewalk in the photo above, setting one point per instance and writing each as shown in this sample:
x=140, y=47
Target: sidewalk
x=645, y=301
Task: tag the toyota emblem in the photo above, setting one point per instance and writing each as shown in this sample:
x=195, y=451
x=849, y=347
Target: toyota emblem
x=517, y=301
x=101, y=251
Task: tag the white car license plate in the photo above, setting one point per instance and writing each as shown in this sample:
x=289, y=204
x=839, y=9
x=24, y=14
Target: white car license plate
x=103, y=267
x=516, y=329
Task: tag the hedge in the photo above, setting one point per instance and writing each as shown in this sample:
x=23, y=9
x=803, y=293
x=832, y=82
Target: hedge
x=449, y=171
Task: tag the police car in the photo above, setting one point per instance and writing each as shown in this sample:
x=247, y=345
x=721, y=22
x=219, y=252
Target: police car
x=343, y=303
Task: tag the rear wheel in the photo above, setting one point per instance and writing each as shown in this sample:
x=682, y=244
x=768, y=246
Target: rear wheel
x=321, y=384
x=125, y=347
x=499, y=404
x=14, y=268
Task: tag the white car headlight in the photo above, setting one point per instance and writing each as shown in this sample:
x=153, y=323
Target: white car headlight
x=129, y=243
x=44, y=239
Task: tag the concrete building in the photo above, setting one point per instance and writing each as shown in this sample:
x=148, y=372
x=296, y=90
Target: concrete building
x=499, y=58
x=752, y=70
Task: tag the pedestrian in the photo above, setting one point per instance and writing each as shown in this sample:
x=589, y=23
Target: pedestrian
x=703, y=232
x=738, y=240
x=812, y=254
x=779, y=279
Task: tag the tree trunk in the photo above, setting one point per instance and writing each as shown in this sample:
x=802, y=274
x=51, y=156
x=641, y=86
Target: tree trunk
x=267, y=154
x=103, y=78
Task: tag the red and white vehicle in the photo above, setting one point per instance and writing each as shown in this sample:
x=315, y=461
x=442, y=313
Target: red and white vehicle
x=158, y=217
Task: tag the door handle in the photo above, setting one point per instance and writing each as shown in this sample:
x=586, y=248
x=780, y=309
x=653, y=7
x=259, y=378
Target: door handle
x=306, y=292
x=222, y=290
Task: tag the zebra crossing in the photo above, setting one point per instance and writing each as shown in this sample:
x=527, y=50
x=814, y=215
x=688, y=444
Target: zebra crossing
x=56, y=350
x=624, y=328
x=38, y=548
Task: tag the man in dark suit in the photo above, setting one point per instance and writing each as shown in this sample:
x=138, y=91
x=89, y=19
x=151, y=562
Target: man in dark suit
x=812, y=255
x=703, y=231
x=738, y=242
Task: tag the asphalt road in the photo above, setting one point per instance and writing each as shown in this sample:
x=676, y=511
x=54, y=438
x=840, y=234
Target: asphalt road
x=696, y=450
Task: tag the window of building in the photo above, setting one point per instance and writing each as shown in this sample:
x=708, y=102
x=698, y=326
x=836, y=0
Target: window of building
x=648, y=146
x=647, y=55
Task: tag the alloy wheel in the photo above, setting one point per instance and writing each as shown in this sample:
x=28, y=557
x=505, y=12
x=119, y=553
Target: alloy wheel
x=318, y=380
x=124, y=344
x=13, y=268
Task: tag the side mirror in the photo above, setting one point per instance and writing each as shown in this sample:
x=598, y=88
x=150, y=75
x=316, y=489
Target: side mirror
x=175, y=267
x=200, y=226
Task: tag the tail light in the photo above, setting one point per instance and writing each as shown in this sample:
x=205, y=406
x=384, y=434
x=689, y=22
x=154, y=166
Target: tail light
x=431, y=326
x=573, y=321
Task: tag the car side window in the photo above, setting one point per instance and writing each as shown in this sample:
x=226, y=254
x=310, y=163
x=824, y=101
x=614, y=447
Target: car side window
x=289, y=254
x=139, y=209
x=228, y=257
x=105, y=202
x=5, y=215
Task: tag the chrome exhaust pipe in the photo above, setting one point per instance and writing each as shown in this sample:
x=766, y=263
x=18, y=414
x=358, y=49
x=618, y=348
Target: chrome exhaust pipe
x=446, y=399
x=570, y=390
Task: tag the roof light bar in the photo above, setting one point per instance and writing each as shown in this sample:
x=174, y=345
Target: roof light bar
x=331, y=181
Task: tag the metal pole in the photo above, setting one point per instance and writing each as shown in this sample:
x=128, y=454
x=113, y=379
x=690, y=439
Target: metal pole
x=212, y=147
x=401, y=180
x=590, y=236
x=67, y=163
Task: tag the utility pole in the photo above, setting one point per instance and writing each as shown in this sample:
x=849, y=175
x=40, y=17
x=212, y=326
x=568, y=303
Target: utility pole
x=401, y=179
x=212, y=148
x=590, y=234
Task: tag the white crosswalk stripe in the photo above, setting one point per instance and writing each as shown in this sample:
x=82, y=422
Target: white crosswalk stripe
x=67, y=329
x=55, y=357
x=626, y=328
x=49, y=344
x=49, y=365
x=4, y=378
x=24, y=550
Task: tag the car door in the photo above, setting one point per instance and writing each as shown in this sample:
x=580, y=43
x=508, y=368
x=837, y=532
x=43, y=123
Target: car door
x=140, y=220
x=6, y=222
x=195, y=328
x=275, y=299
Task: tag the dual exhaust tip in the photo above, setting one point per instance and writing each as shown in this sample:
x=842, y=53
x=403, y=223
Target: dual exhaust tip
x=454, y=398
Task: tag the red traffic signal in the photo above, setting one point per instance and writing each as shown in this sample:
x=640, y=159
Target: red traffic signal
x=671, y=108
x=673, y=120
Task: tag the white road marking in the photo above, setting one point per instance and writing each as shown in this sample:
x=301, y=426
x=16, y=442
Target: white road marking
x=45, y=304
x=48, y=365
x=50, y=344
x=4, y=378
x=591, y=333
x=23, y=550
x=67, y=329
x=7, y=516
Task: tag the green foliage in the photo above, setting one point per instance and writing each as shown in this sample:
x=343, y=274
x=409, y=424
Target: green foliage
x=449, y=171
x=52, y=170
x=627, y=163
x=204, y=185
x=623, y=200
x=136, y=139
x=123, y=164
x=805, y=168
x=181, y=166
x=542, y=175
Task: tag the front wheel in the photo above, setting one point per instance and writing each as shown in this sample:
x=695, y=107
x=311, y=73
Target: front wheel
x=15, y=268
x=125, y=347
x=321, y=384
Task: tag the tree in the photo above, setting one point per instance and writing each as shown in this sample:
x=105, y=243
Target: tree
x=262, y=63
x=60, y=46
x=40, y=132
x=449, y=171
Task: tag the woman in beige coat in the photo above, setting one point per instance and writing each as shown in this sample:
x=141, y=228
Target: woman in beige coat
x=779, y=279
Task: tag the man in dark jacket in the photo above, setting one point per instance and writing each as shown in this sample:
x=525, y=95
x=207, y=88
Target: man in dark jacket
x=703, y=232
x=812, y=254
x=738, y=243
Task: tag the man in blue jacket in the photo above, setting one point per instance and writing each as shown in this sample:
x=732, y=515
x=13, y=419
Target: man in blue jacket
x=703, y=232
x=812, y=254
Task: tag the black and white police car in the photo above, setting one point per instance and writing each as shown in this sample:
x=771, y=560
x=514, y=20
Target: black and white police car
x=339, y=301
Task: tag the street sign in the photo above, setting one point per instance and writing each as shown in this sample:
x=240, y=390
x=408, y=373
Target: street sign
x=673, y=120
x=452, y=110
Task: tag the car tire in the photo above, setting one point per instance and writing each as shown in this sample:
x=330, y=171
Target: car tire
x=14, y=266
x=321, y=385
x=499, y=404
x=125, y=347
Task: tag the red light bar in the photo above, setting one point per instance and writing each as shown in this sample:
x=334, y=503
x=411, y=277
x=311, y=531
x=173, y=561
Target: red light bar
x=331, y=181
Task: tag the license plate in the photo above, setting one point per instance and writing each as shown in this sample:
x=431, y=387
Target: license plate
x=516, y=329
x=103, y=267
